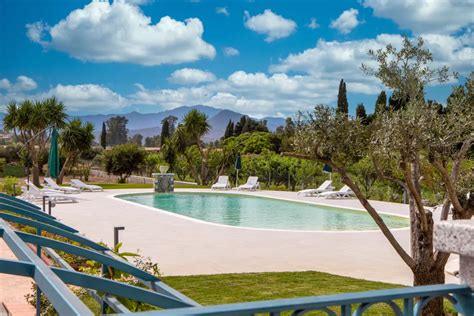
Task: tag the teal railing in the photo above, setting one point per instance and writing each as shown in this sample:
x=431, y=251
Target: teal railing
x=53, y=281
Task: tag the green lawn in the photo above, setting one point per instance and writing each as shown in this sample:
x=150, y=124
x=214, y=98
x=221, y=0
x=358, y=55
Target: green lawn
x=143, y=186
x=235, y=288
x=232, y=288
x=245, y=287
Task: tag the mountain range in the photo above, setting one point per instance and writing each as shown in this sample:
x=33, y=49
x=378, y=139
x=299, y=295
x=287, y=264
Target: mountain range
x=149, y=124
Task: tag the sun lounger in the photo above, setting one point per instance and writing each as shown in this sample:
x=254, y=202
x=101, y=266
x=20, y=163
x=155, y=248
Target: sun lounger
x=344, y=193
x=222, y=183
x=33, y=193
x=324, y=187
x=50, y=183
x=251, y=185
x=76, y=183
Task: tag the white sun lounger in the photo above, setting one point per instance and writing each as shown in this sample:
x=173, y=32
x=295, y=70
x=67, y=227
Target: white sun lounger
x=76, y=183
x=252, y=184
x=33, y=193
x=50, y=183
x=344, y=193
x=324, y=187
x=222, y=183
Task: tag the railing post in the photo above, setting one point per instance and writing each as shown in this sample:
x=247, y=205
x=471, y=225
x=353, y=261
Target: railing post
x=44, y=203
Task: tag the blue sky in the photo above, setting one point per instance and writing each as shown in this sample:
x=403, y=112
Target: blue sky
x=263, y=58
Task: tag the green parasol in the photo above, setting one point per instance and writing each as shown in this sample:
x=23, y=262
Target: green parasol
x=53, y=160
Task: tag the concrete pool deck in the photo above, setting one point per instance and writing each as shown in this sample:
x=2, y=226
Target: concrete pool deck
x=187, y=247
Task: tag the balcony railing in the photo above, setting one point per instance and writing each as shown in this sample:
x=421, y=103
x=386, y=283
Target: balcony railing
x=53, y=281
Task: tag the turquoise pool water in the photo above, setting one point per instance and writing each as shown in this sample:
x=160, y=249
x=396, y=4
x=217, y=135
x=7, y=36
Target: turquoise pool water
x=259, y=212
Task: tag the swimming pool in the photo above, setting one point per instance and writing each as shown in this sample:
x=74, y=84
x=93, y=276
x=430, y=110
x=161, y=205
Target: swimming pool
x=260, y=212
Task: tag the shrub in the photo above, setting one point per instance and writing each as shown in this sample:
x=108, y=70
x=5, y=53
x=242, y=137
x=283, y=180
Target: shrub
x=124, y=159
x=8, y=185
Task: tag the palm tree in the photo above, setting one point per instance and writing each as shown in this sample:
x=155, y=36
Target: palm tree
x=190, y=132
x=30, y=122
x=75, y=138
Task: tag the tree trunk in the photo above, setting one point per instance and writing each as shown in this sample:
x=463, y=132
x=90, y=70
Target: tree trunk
x=426, y=272
x=430, y=275
x=59, y=180
x=35, y=174
x=204, y=170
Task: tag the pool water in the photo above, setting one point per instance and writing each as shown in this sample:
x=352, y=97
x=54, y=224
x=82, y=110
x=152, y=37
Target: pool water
x=259, y=212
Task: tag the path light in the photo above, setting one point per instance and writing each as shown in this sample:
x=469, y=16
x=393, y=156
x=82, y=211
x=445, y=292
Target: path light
x=116, y=234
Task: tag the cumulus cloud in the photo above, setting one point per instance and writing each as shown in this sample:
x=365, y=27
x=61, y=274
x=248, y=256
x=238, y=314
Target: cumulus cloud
x=333, y=60
x=88, y=98
x=313, y=24
x=258, y=94
x=222, y=10
x=272, y=25
x=425, y=16
x=231, y=51
x=346, y=22
x=5, y=84
x=120, y=32
x=191, y=76
x=22, y=83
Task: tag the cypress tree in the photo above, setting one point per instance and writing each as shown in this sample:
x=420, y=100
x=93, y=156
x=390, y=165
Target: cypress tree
x=342, y=104
x=247, y=126
x=229, y=130
x=240, y=125
x=381, y=103
x=361, y=113
x=165, y=131
x=103, y=136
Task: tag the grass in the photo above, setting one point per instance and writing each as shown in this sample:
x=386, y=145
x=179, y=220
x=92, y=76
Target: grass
x=124, y=185
x=246, y=287
x=144, y=186
x=233, y=288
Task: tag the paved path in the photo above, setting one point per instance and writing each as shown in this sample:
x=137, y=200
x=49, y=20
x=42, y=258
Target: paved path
x=185, y=247
x=14, y=288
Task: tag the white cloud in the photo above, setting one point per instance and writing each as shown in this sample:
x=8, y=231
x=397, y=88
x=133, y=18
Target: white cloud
x=222, y=10
x=298, y=82
x=120, y=32
x=335, y=60
x=191, y=76
x=22, y=83
x=88, y=98
x=258, y=94
x=346, y=22
x=274, y=26
x=5, y=84
x=313, y=24
x=426, y=16
x=231, y=51
x=139, y=2
x=35, y=31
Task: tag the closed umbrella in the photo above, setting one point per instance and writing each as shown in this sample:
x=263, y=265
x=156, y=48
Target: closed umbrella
x=327, y=169
x=238, y=166
x=53, y=160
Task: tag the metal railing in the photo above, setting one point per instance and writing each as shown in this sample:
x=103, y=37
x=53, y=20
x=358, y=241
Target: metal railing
x=53, y=281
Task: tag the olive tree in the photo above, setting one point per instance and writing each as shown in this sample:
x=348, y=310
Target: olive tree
x=399, y=142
